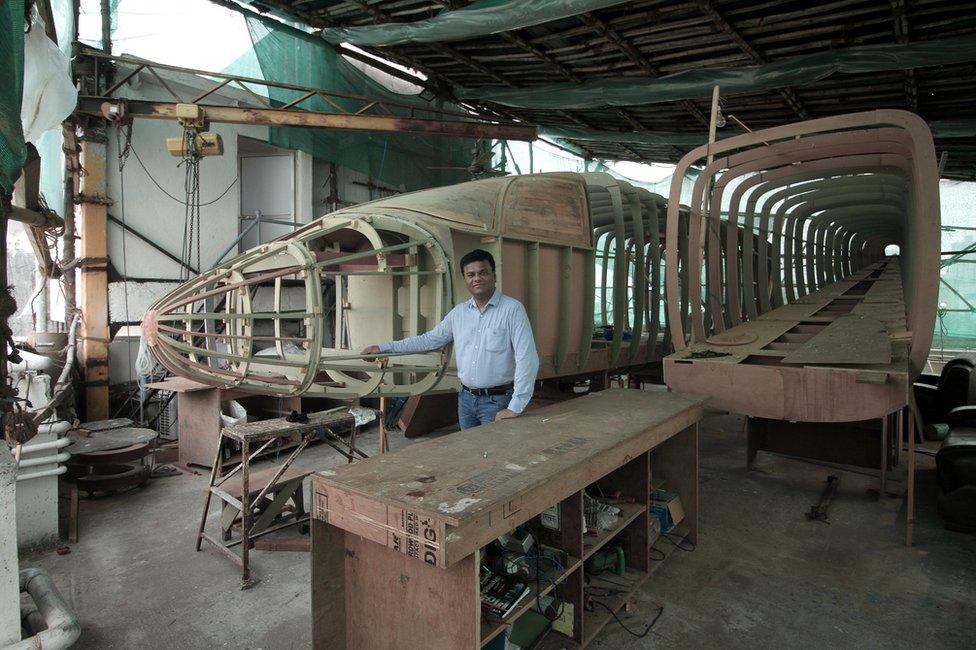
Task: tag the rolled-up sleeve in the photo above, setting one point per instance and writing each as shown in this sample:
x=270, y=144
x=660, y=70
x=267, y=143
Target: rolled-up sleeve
x=441, y=335
x=526, y=360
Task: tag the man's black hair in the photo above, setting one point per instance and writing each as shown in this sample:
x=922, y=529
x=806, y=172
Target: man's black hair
x=478, y=255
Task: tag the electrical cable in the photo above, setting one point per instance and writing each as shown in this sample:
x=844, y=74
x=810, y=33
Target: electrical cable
x=688, y=546
x=647, y=627
x=181, y=202
x=123, y=155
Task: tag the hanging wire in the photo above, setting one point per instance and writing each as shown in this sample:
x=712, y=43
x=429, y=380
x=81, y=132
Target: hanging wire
x=123, y=144
x=181, y=201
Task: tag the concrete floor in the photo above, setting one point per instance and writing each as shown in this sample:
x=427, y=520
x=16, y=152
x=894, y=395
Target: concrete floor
x=761, y=575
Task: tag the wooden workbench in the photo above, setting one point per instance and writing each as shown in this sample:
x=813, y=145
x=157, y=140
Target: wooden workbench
x=396, y=538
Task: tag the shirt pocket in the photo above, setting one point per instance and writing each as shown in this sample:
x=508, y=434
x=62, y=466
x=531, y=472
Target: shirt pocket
x=496, y=339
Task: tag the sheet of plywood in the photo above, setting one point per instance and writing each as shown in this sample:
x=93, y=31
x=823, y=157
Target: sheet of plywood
x=850, y=339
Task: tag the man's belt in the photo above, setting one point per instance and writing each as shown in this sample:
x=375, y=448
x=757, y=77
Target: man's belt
x=494, y=390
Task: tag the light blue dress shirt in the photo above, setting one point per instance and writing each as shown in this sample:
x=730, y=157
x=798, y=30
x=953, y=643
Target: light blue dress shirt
x=492, y=347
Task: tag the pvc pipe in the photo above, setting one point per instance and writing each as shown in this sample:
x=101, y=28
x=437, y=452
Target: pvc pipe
x=44, y=460
x=31, y=361
x=47, y=472
x=56, y=427
x=63, y=628
x=60, y=443
x=40, y=300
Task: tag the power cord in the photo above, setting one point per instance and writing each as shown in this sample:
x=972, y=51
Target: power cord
x=647, y=627
x=180, y=201
x=682, y=544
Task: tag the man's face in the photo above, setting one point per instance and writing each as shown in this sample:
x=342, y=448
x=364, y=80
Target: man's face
x=480, y=279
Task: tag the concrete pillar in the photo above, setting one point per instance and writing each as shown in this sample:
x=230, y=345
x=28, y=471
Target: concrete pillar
x=9, y=568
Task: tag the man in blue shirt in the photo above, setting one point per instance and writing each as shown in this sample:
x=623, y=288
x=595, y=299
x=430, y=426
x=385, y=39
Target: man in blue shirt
x=493, y=345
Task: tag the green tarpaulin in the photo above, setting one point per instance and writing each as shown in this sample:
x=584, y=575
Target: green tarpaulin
x=694, y=84
x=411, y=162
x=12, y=149
x=476, y=19
x=939, y=128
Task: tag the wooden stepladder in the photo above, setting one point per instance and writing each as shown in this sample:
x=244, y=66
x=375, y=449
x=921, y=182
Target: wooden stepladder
x=262, y=502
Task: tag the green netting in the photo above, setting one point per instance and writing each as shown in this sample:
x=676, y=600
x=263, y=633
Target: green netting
x=476, y=19
x=694, y=84
x=113, y=13
x=412, y=162
x=956, y=319
x=960, y=128
x=12, y=149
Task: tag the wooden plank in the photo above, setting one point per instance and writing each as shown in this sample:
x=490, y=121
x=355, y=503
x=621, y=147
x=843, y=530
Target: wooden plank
x=257, y=480
x=676, y=462
x=851, y=339
x=407, y=531
x=419, y=606
x=553, y=213
x=179, y=385
x=281, y=427
x=328, y=586
x=484, y=481
x=94, y=279
x=198, y=414
x=425, y=413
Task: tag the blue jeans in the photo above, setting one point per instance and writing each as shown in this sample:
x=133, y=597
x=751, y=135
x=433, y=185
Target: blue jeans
x=475, y=410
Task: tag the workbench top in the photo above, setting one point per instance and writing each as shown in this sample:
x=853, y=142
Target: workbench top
x=470, y=486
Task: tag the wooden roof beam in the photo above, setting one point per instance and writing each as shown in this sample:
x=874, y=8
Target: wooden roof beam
x=549, y=61
x=788, y=95
x=642, y=62
x=578, y=120
x=638, y=126
x=520, y=42
x=382, y=17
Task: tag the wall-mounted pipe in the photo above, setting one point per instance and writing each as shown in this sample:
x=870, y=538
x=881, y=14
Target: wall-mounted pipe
x=63, y=628
x=31, y=361
x=47, y=472
x=60, y=443
x=43, y=460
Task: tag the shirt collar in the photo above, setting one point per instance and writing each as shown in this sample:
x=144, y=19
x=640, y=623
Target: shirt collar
x=494, y=300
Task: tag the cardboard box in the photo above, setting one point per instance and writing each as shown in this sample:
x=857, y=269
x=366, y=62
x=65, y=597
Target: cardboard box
x=666, y=506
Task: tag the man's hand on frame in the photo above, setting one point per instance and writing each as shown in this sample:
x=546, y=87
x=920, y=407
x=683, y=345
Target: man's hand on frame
x=505, y=414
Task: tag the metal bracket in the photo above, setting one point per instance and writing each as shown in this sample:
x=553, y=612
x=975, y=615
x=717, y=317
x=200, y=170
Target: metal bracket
x=92, y=199
x=87, y=264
